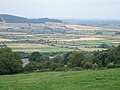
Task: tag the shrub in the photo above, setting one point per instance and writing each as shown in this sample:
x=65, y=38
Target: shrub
x=94, y=66
x=69, y=65
x=53, y=66
x=87, y=65
x=111, y=65
x=30, y=67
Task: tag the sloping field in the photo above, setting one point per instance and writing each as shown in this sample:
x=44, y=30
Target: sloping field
x=71, y=80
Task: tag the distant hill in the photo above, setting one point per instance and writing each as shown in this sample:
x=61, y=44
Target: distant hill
x=16, y=19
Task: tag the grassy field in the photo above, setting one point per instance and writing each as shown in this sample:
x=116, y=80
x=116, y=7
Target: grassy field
x=71, y=80
x=31, y=47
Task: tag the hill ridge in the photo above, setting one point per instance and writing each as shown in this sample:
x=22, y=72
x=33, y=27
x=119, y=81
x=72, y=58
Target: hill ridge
x=17, y=19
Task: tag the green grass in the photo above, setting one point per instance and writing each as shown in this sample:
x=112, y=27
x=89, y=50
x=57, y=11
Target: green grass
x=71, y=80
x=42, y=50
x=31, y=47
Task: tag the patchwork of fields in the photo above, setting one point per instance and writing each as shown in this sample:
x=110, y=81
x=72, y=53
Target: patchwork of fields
x=58, y=38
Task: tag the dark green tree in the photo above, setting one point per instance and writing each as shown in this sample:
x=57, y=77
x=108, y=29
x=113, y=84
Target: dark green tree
x=32, y=66
x=103, y=45
x=87, y=65
x=58, y=59
x=75, y=58
x=36, y=56
x=10, y=62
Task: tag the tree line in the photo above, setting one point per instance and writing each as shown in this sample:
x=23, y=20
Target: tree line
x=75, y=60
x=10, y=62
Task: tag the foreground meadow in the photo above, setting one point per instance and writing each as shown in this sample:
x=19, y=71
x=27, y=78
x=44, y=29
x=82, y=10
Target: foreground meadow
x=70, y=80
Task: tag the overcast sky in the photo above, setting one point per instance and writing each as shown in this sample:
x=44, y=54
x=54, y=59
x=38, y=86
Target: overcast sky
x=62, y=8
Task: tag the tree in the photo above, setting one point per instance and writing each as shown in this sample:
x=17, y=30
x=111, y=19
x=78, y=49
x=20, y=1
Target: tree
x=103, y=45
x=99, y=63
x=94, y=66
x=10, y=62
x=58, y=59
x=36, y=56
x=53, y=66
x=103, y=58
x=113, y=55
x=75, y=58
x=66, y=57
x=32, y=66
x=117, y=55
x=87, y=65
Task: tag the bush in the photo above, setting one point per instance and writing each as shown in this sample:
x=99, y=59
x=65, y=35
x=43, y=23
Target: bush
x=30, y=67
x=87, y=65
x=53, y=66
x=111, y=65
x=94, y=66
x=69, y=65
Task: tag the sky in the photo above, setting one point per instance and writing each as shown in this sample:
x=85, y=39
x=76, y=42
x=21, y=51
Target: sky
x=107, y=9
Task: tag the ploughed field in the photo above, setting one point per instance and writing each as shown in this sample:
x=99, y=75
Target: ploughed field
x=70, y=80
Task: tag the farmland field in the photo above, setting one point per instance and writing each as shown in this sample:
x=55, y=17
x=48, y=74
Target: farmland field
x=30, y=47
x=70, y=80
x=58, y=37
